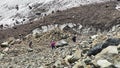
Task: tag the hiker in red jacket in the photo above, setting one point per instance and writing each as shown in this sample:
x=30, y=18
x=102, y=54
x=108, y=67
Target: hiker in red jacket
x=53, y=44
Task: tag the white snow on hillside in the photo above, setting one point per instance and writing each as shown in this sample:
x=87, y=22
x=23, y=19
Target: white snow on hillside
x=32, y=9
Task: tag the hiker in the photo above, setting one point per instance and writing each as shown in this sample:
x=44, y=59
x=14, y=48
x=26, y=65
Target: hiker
x=17, y=7
x=53, y=44
x=1, y=26
x=74, y=38
x=30, y=7
x=20, y=36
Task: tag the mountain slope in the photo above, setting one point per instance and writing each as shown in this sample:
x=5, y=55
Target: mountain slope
x=102, y=16
x=15, y=12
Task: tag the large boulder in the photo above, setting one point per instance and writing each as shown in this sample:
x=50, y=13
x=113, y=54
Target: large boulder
x=61, y=43
x=103, y=63
x=111, y=42
x=112, y=49
x=100, y=46
x=117, y=65
x=109, y=50
x=5, y=44
x=36, y=32
x=95, y=50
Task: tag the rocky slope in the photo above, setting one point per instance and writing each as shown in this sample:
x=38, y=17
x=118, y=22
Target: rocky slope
x=18, y=53
x=97, y=46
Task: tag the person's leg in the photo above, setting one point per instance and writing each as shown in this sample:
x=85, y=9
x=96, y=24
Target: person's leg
x=52, y=47
x=74, y=40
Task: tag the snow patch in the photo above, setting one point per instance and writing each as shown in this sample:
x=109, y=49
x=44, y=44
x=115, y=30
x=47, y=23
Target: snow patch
x=17, y=10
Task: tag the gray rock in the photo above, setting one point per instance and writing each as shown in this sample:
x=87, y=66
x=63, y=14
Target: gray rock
x=94, y=36
x=117, y=65
x=5, y=44
x=111, y=49
x=103, y=63
x=95, y=50
x=71, y=25
x=119, y=46
x=99, y=47
x=61, y=43
x=62, y=26
x=111, y=42
x=67, y=58
x=87, y=61
x=77, y=54
x=44, y=28
x=70, y=59
x=1, y=56
x=6, y=49
x=36, y=31
x=78, y=65
x=42, y=67
x=57, y=63
x=30, y=50
x=64, y=36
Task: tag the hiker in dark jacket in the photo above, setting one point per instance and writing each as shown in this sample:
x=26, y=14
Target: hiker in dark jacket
x=17, y=7
x=74, y=38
